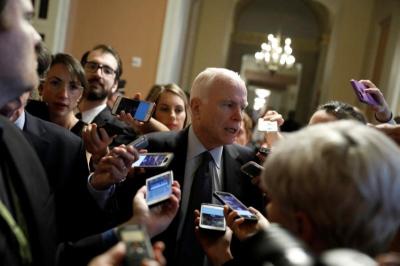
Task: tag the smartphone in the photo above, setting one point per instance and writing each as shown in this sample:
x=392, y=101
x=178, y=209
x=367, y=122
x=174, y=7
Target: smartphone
x=140, y=143
x=138, y=245
x=212, y=217
x=111, y=129
x=140, y=110
x=362, y=95
x=252, y=169
x=235, y=204
x=269, y=126
x=159, y=188
x=154, y=160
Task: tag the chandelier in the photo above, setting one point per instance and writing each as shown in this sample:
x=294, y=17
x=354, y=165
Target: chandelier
x=273, y=56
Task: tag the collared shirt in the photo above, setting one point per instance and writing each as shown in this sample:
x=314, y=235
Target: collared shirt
x=20, y=122
x=89, y=115
x=194, y=150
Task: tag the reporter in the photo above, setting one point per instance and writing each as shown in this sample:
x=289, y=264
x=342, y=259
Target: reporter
x=336, y=185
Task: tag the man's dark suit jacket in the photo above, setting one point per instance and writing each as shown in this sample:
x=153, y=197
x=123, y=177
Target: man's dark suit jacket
x=105, y=116
x=63, y=156
x=234, y=181
x=36, y=199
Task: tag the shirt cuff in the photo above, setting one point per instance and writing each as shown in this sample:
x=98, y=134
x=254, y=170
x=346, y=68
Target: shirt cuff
x=110, y=237
x=100, y=196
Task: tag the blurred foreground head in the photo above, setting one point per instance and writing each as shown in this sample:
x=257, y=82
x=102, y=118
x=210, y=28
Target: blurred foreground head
x=336, y=185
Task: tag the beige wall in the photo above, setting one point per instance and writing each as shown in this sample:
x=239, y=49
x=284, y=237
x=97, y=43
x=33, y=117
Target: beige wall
x=132, y=27
x=346, y=50
x=213, y=36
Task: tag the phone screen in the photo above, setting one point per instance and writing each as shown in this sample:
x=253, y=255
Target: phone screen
x=150, y=160
x=138, y=109
x=159, y=188
x=236, y=205
x=212, y=217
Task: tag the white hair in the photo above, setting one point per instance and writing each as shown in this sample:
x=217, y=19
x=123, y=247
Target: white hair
x=346, y=177
x=203, y=81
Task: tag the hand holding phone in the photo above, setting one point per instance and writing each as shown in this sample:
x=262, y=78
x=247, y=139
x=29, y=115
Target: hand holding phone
x=212, y=217
x=235, y=204
x=140, y=110
x=159, y=188
x=154, y=160
x=138, y=245
x=361, y=94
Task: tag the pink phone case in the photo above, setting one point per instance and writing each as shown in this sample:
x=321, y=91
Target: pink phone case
x=363, y=96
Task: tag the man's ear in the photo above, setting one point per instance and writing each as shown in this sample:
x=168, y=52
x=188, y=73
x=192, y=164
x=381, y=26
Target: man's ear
x=195, y=106
x=114, y=87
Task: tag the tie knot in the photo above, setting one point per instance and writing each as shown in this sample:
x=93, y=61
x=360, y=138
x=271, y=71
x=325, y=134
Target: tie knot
x=205, y=157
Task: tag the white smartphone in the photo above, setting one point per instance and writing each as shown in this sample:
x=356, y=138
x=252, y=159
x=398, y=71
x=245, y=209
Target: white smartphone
x=159, y=188
x=252, y=169
x=153, y=160
x=140, y=110
x=212, y=217
x=269, y=126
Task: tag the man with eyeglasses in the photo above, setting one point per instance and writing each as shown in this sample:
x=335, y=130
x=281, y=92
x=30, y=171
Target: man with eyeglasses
x=103, y=68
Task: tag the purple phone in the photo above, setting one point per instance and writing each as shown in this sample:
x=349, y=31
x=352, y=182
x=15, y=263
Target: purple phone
x=363, y=96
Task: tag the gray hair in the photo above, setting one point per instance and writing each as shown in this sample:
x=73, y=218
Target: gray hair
x=202, y=83
x=346, y=177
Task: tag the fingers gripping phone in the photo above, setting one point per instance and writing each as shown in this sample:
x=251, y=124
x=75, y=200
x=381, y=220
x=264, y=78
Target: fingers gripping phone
x=137, y=243
x=154, y=160
x=252, y=169
x=140, y=110
x=362, y=95
x=212, y=217
x=235, y=204
x=159, y=188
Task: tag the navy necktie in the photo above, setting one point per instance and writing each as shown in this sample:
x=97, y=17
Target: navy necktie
x=201, y=192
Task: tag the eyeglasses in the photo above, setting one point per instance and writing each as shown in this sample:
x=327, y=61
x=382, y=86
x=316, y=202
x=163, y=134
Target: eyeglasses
x=57, y=84
x=93, y=66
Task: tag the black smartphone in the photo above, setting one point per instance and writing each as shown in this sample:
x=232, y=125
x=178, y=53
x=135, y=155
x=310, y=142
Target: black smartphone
x=140, y=110
x=212, y=217
x=159, y=188
x=153, y=160
x=252, y=169
x=111, y=129
x=235, y=204
x=138, y=244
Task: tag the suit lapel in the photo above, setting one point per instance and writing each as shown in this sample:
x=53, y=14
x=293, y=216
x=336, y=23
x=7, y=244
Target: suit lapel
x=35, y=133
x=28, y=168
x=231, y=170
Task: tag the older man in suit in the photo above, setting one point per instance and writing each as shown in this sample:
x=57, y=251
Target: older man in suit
x=218, y=99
